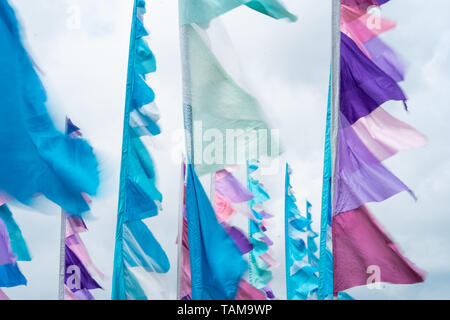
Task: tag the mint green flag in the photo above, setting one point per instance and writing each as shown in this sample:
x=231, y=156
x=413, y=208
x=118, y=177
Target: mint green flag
x=203, y=11
x=228, y=123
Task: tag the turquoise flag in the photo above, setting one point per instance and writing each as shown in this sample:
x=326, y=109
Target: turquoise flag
x=217, y=264
x=137, y=251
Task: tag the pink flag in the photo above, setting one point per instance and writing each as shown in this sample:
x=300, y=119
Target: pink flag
x=362, y=27
x=385, y=135
x=363, y=253
x=3, y=296
x=248, y=292
x=223, y=208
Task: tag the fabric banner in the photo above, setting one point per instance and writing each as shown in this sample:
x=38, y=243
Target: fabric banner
x=138, y=257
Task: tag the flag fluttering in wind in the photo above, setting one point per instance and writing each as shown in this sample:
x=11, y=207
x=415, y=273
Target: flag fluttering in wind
x=78, y=266
x=351, y=240
x=138, y=255
x=220, y=106
x=302, y=265
x=261, y=260
x=216, y=261
x=10, y=275
x=229, y=196
x=37, y=158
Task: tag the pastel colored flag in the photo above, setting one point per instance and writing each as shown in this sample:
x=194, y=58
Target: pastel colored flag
x=10, y=275
x=361, y=26
x=363, y=4
x=361, y=178
x=360, y=245
x=3, y=296
x=385, y=135
x=248, y=292
x=216, y=262
x=221, y=108
x=223, y=208
x=230, y=188
x=386, y=59
x=18, y=244
x=203, y=11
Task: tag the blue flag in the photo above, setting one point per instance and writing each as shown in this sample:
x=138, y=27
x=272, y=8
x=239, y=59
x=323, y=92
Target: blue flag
x=36, y=157
x=217, y=264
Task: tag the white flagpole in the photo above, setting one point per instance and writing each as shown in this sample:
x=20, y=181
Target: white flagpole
x=188, y=130
x=62, y=249
x=335, y=89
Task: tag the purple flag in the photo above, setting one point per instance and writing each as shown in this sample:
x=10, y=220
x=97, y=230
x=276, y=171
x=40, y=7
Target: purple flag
x=364, y=86
x=386, y=59
x=230, y=188
x=77, y=277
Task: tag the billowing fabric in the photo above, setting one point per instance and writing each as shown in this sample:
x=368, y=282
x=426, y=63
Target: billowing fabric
x=3, y=296
x=223, y=208
x=77, y=277
x=385, y=135
x=18, y=244
x=37, y=158
x=386, y=59
x=248, y=292
x=367, y=135
x=358, y=243
x=138, y=256
x=260, y=260
x=364, y=86
x=220, y=106
x=230, y=188
x=74, y=226
x=361, y=26
x=240, y=239
x=302, y=279
x=361, y=178
x=203, y=11
x=10, y=275
x=363, y=4
x=216, y=262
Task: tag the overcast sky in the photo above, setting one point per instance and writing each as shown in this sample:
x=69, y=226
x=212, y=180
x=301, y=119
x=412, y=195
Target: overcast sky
x=287, y=64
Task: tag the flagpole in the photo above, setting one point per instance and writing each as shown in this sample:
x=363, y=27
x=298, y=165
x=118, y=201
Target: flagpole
x=335, y=90
x=62, y=249
x=188, y=130
x=330, y=158
x=180, y=230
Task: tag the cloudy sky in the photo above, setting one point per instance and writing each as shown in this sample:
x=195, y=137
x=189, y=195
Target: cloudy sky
x=81, y=46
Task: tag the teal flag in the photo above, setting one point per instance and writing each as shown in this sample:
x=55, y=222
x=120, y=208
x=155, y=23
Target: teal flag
x=217, y=264
x=137, y=251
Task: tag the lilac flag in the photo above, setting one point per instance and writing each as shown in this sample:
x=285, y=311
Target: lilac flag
x=230, y=188
x=361, y=177
x=386, y=59
x=385, y=135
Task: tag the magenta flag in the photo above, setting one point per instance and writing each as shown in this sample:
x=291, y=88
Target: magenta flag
x=361, y=249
